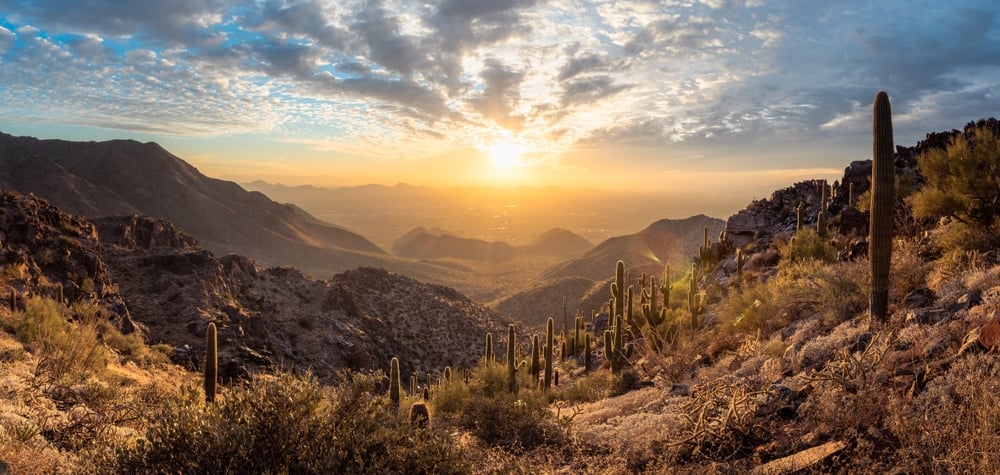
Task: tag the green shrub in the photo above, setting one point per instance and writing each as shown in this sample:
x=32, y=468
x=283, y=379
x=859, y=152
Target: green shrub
x=288, y=424
x=69, y=352
x=807, y=244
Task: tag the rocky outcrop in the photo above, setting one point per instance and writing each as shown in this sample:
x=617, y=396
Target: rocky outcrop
x=44, y=251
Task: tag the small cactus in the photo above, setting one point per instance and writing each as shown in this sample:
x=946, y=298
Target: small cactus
x=420, y=417
x=394, y=382
x=586, y=352
x=211, y=362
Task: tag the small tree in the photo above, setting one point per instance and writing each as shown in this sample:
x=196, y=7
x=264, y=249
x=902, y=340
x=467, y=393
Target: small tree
x=963, y=183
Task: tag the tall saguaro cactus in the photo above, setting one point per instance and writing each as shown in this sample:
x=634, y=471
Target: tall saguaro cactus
x=211, y=362
x=535, y=354
x=394, y=382
x=511, y=364
x=549, y=330
x=882, y=206
x=488, y=356
x=618, y=291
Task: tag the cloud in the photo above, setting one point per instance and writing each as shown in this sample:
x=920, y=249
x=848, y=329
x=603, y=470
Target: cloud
x=500, y=94
x=172, y=21
x=444, y=73
x=591, y=89
x=586, y=62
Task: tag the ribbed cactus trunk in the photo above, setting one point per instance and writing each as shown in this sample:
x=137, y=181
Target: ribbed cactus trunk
x=549, y=341
x=511, y=363
x=882, y=206
x=586, y=352
x=394, y=382
x=488, y=356
x=535, y=359
x=211, y=362
x=618, y=290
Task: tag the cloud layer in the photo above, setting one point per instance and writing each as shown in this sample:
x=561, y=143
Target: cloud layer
x=393, y=77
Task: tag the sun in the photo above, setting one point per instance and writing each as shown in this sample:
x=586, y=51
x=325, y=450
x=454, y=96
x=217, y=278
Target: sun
x=506, y=156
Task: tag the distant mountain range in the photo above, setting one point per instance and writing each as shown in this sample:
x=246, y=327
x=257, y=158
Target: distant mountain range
x=126, y=178
x=422, y=243
x=583, y=280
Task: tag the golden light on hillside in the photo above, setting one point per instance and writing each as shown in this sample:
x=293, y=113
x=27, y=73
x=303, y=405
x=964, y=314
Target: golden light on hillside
x=506, y=156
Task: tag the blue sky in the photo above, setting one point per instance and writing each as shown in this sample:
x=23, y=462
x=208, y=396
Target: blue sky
x=643, y=94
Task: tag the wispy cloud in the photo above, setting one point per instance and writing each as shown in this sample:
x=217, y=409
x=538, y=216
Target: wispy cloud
x=403, y=76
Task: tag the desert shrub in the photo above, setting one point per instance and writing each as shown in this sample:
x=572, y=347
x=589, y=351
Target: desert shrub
x=963, y=186
x=588, y=388
x=517, y=422
x=288, y=424
x=953, y=426
x=513, y=422
x=835, y=292
x=70, y=352
x=807, y=245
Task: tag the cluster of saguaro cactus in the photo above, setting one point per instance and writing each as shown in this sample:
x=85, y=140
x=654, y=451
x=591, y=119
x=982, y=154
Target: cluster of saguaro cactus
x=882, y=206
x=549, y=337
x=211, y=362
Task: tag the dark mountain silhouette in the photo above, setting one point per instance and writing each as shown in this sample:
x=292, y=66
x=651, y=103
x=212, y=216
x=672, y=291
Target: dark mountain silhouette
x=125, y=177
x=421, y=243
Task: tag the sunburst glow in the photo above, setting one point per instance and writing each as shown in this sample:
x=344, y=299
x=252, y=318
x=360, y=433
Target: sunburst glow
x=506, y=156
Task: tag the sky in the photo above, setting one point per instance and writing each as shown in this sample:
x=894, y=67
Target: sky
x=701, y=95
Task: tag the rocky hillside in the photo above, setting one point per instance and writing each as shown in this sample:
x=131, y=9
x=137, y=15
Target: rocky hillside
x=421, y=243
x=124, y=177
x=584, y=280
x=146, y=275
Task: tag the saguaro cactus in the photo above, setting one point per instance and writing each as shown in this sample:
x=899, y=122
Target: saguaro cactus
x=586, y=352
x=549, y=341
x=618, y=290
x=394, y=382
x=511, y=363
x=821, y=215
x=211, y=362
x=489, y=348
x=882, y=206
x=614, y=345
x=535, y=358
